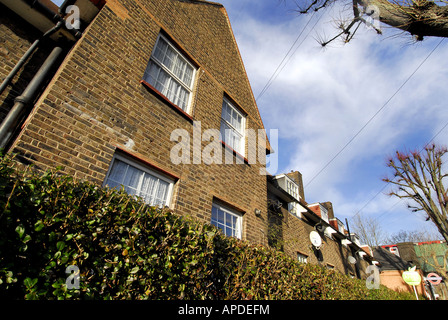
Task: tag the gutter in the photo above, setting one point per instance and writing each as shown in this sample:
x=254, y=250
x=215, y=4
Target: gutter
x=16, y=115
x=54, y=16
x=26, y=55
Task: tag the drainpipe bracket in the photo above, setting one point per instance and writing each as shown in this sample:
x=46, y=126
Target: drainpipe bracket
x=22, y=99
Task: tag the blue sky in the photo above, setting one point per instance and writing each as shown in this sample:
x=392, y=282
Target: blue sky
x=322, y=98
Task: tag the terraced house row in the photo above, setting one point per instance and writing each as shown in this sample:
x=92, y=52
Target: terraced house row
x=153, y=95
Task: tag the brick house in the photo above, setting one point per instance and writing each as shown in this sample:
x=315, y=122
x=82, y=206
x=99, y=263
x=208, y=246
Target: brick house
x=428, y=257
x=136, y=99
x=391, y=267
x=294, y=225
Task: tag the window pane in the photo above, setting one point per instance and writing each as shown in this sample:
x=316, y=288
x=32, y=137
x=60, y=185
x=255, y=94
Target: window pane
x=214, y=214
x=168, y=59
x=161, y=48
x=233, y=219
x=227, y=222
x=179, y=68
x=153, y=190
x=158, y=78
x=238, y=124
x=229, y=232
x=113, y=184
x=232, y=130
x=147, y=190
x=183, y=98
x=226, y=133
x=170, y=74
x=152, y=74
x=117, y=172
x=233, y=120
x=236, y=142
x=161, y=194
x=221, y=217
x=188, y=75
x=227, y=113
x=171, y=91
x=132, y=179
x=231, y=137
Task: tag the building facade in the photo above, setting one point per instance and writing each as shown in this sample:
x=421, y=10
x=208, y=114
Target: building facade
x=310, y=232
x=430, y=257
x=392, y=267
x=153, y=95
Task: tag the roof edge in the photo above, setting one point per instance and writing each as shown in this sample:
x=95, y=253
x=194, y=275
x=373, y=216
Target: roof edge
x=223, y=9
x=207, y=2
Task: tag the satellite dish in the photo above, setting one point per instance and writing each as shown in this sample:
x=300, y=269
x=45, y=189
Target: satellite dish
x=351, y=259
x=315, y=239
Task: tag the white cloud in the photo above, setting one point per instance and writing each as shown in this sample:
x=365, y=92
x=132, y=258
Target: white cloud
x=322, y=98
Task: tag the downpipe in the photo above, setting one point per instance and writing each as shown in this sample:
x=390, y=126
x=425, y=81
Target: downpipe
x=26, y=55
x=14, y=117
x=55, y=17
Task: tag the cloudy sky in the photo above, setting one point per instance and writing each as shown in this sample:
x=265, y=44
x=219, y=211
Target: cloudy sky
x=322, y=99
x=342, y=111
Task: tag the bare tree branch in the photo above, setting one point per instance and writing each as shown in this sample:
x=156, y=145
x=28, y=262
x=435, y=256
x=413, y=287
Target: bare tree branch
x=420, y=18
x=420, y=179
x=369, y=231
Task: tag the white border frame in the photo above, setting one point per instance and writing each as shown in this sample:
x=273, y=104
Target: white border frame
x=160, y=64
x=242, y=150
x=239, y=218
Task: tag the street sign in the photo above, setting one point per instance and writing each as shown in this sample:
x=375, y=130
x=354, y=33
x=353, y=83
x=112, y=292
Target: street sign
x=434, y=278
x=411, y=277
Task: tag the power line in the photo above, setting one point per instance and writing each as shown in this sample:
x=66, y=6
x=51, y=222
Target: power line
x=432, y=139
x=381, y=190
x=376, y=113
x=289, y=58
x=275, y=74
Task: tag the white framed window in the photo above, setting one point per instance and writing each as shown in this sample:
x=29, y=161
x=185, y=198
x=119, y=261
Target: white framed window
x=302, y=258
x=292, y=188
x=295, y=209
x=233, y=125
x=170, y=73
x=341, y=226
x=229, y=221
x=292, y=207
x=153, y=187
x=324, y=213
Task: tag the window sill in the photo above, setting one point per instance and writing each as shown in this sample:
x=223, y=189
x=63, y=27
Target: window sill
x=235, y=153
x=166, y=100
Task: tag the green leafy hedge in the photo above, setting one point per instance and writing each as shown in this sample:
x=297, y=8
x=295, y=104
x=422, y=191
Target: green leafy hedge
x=124, y=249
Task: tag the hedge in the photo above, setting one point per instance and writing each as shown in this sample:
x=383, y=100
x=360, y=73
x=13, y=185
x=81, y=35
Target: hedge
x=125, y=249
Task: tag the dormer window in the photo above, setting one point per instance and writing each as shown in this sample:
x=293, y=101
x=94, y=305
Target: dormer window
x=341, y=226
x=292, y=188
x=289, y=185
x=320, y=210
x=324, y=213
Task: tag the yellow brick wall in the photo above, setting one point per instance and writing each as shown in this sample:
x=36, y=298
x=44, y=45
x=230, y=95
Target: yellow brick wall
x=96, y=103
